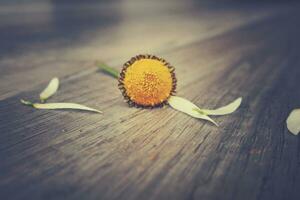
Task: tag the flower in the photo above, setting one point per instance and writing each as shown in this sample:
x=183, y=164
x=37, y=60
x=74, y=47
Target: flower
x=147, y=81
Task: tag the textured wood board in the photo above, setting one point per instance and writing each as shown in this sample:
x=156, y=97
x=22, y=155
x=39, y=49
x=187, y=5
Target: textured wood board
x=130, y=153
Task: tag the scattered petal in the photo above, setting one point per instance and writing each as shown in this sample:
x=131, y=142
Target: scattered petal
x=230, y=108
x=56, y=106
x=293, y=122
x=189, y=108
x=49, y=90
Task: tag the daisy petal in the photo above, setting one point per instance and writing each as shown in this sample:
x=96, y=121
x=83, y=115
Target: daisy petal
x=189, y=108
x=293, y=122
x=57, y=106
x=230, y=108
x=50, y=89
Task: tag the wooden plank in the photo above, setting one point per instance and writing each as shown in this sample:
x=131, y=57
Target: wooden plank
x=130, y=153
x=61, y=40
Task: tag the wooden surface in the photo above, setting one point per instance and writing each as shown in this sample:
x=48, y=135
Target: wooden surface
x=220, y=51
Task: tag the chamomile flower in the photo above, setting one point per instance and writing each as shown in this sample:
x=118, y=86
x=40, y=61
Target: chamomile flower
x=148, y=81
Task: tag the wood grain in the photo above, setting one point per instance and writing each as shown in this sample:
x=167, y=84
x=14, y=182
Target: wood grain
x=220, y=53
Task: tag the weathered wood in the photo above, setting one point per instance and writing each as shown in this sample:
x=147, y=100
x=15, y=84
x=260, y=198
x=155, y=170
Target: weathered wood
x=130, y=153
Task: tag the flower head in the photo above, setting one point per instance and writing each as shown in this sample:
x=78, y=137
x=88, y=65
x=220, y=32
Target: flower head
x=147, y=81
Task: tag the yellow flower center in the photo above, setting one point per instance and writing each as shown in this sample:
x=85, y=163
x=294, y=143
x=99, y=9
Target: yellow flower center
x=148, y=82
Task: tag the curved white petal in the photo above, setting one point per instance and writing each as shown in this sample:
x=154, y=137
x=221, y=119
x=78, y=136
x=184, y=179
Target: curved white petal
x=230, y=108
x=50, y=89
x=293, y=122
x=189, y=108
x=56, y=106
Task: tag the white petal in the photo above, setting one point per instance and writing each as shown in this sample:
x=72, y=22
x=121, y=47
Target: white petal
x=54, y=106
x=50, y=89
x=293, y=122
x=230, y=108
x=188, y=107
